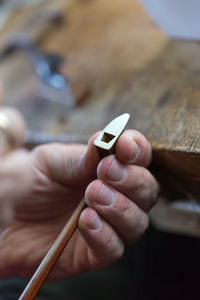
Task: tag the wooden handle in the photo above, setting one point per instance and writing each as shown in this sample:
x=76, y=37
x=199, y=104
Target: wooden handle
x=52, y=255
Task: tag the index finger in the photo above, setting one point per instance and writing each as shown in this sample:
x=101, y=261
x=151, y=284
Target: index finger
x=133, y=148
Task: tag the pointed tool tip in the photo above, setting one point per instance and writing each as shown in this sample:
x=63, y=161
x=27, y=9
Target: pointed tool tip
x=125, y=115
x=106, y=140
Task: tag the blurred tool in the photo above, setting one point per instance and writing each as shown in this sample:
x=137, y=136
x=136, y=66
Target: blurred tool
x=53, y=86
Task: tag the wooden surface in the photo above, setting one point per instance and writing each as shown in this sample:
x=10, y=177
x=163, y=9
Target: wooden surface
x=119, y=61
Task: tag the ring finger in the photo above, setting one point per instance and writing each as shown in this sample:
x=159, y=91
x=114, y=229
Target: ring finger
x=123, y=214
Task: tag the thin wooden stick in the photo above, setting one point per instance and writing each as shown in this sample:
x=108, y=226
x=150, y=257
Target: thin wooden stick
x=52, y=255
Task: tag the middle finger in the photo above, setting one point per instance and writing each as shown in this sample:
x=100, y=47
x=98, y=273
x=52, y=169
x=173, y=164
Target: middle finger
x=135, y=182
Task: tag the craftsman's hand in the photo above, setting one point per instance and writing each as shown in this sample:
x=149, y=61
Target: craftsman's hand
x=118, y=202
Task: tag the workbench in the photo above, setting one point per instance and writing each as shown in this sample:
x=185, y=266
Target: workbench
x=118, y=60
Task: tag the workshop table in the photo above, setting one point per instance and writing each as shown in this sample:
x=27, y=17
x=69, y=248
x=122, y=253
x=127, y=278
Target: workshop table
x=118, y=60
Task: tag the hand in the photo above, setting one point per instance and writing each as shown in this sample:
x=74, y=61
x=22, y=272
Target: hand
x=118, y=202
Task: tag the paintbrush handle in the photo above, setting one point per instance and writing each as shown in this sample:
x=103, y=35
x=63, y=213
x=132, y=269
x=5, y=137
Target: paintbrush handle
x=52, y=255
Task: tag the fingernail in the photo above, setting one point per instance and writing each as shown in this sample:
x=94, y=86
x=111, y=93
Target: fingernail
x=106, y=196
x=95, y=222
x=117, y=171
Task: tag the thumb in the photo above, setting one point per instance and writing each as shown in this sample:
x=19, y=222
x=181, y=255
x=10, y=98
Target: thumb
x=73, y=164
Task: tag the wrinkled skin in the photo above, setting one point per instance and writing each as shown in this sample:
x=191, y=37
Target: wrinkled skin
x=44, y=186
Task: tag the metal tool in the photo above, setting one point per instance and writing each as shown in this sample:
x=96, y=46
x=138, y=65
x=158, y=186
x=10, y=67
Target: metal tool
x=53, y=86
x=106, y=140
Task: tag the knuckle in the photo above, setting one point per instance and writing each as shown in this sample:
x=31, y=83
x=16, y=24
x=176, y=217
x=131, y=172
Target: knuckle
x=139, y=228
x=138, y=179
x=39, y=151
x=122, y=208
x=113, y=249
x=145, y=188
x=108, y=241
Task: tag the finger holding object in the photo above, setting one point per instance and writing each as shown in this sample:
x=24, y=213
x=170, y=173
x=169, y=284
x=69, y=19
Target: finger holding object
x=135, y=182
x=124, y=215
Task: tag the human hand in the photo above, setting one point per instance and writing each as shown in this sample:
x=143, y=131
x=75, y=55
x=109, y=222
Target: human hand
x=118, y=202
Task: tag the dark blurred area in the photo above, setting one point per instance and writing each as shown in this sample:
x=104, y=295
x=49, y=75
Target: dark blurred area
x=159, y=266
x=61, y=60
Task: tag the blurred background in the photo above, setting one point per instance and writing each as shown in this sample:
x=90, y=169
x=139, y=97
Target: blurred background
x=70, y=67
